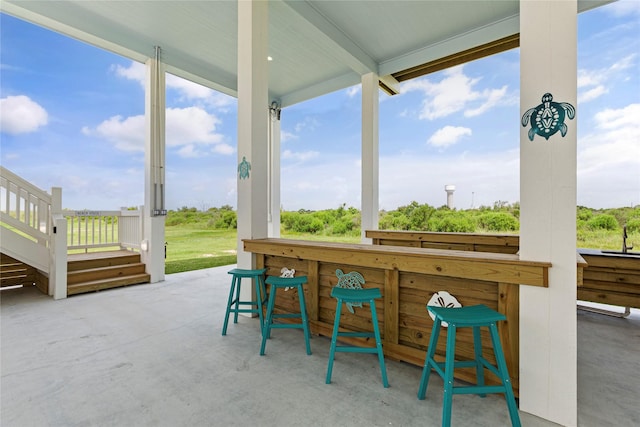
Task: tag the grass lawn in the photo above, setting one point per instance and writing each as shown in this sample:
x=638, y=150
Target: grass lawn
x=193, y=249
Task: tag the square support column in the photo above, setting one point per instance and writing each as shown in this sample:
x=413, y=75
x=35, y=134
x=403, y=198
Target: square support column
x=154, y=170
x=274, y=171
x=548, y=324
x=253, y=124
x=370, y=155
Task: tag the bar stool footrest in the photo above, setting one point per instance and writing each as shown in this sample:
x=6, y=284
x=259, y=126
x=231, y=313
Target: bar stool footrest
x=348, y=349
x=478, y=389
x=357, y=334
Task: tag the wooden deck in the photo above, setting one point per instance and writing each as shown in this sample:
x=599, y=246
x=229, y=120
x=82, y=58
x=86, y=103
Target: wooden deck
x=95, y=271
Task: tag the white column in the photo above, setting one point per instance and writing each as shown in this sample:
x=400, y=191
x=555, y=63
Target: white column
x=58, y=248
x=548, y=326
x=253, y=125
x=154, y=169
x=274, y=171
x=370, y=154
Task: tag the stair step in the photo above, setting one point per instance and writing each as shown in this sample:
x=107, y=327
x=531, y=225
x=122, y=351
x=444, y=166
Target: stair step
x=113, y=272
x=97, y=285
x=105, y=259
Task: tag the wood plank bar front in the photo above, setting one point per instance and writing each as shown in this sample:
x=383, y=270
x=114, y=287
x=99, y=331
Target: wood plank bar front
x=407, y=278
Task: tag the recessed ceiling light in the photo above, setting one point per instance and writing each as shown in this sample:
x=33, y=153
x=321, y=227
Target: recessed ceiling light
x=269, y=58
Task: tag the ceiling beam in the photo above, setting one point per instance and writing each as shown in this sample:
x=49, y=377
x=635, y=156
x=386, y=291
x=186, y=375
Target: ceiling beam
x=350, y=53
x=481, y=36
x=468, y=55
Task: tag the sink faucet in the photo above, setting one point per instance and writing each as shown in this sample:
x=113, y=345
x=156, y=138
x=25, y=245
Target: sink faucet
x=625, y=248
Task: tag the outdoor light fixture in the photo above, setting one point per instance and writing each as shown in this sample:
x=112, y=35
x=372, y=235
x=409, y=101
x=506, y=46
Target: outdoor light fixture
x=144, y=245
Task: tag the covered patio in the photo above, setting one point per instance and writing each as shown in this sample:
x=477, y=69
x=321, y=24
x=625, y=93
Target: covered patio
x=316, y=47
x=153, y=354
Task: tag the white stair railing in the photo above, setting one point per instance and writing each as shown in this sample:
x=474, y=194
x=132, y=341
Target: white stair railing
x=24, y=207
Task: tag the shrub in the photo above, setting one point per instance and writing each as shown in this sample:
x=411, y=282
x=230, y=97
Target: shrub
x=584, y=214
x=603, y=222
x=498, y=221
x=452, y=224
x=633, y=225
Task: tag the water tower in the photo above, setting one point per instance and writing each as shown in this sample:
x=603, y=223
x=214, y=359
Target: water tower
x=450, y=189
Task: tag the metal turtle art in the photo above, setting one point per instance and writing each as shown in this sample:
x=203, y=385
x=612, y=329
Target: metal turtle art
x=243, y=168
x=548, y=117
x=353, y=280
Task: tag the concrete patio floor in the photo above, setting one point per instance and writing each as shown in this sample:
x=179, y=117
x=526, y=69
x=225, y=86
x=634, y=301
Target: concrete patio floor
x=153, y=355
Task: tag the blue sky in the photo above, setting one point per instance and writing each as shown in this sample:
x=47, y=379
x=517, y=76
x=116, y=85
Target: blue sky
x=72, y=116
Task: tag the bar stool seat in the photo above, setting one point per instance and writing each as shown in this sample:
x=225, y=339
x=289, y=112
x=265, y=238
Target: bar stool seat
x=356, y=296
x=234, y=303
x=473, y=316
x=282, y=283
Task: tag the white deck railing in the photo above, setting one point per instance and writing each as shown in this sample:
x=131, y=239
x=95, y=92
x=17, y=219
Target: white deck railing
x=102, y=229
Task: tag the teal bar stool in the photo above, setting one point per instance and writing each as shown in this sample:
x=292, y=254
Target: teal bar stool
x=280, y=283
x=234, y=304
x=355, y=297
x=473, y=316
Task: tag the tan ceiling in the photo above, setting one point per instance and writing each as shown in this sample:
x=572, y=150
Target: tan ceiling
x=317, y=46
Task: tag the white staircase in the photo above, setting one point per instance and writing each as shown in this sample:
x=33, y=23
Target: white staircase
x=33, y=230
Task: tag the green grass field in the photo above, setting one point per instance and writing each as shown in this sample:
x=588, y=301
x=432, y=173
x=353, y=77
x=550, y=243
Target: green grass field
x=189, y=248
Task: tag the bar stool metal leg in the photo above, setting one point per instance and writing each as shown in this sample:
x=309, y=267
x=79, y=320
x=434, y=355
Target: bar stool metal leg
x=305, y=320
x=376, y=331
x=266, y=331
x=504, y=376
x=229, y=303
x=334, y=340
x=448, y=375
x=477, y=350
x=431, y=351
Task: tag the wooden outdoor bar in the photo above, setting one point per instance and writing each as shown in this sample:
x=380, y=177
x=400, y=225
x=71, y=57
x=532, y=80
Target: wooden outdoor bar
x=610, y=278
x=407, y=277
x=497, y=243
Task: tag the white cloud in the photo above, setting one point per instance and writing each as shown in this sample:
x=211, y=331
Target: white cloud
x=492, y=98
x=448, y=135
x=185, y=128
x=592, y=83
x=191, y=125
x=225, y=149
x=592, y=94
x=135, y=71
x=309, y=123
x=127, y=134
x=188, y=150
x=300, y=156
x=286, y=136
x=19, y=114
x=609, y=160
x=353, y=91
x=188, y=90
x=452, y=94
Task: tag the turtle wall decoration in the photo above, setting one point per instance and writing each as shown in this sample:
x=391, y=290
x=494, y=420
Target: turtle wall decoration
x=548, y=117
x=243, y=168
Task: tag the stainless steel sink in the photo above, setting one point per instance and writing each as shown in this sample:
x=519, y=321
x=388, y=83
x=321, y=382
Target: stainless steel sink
x=633, y=254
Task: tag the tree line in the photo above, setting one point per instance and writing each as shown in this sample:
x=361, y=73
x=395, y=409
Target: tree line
x=502, y=217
